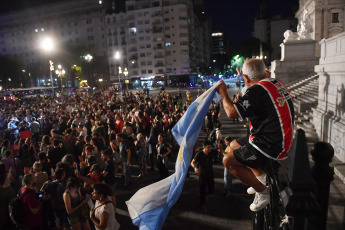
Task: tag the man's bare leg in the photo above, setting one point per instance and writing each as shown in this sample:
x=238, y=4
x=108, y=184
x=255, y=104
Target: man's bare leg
x=242, y=172
x=235, y=145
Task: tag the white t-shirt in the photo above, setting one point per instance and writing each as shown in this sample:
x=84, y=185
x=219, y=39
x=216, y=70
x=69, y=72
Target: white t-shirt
x=218, y=135
x=108, y=208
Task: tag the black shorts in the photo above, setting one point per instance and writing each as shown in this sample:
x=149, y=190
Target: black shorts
x=248, y=155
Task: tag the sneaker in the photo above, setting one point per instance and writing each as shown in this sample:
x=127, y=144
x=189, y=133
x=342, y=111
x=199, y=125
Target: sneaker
x=251, y=190
x=260, y=201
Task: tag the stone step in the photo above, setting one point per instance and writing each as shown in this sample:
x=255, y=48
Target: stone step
x=302, y=119
x=307, y=98
x=306, y=127
x=308, y=116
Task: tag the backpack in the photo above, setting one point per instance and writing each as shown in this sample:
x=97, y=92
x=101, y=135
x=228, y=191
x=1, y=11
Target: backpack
x=16, y=208
x=212, y=136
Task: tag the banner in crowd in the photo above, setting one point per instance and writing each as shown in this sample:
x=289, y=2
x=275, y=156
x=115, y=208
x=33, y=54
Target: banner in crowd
x=150, y=205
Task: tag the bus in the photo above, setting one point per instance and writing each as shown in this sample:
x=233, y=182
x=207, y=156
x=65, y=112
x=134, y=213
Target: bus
x=28, y=93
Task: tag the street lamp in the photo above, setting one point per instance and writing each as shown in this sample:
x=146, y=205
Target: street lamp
x=60, y=72
x=126, y=74
x=47, y=45
x=117, y=58
x=88, y=58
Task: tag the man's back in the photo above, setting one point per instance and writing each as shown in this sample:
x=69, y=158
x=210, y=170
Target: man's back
x=270, y=110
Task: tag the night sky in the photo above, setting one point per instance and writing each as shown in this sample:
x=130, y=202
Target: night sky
x=233, y=17
x=236, y=17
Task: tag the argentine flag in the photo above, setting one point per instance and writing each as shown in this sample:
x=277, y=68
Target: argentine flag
x=149, y=206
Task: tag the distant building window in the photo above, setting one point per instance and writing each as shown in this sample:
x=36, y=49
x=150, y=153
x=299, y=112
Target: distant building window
x=143, y=71
x=167, y=44
x=149, y=71
x=335, y=17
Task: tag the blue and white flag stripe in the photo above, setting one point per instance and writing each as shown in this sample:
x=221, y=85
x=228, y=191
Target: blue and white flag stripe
x=149, y=206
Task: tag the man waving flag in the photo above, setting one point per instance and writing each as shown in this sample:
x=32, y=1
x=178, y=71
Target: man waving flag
x=149, y=206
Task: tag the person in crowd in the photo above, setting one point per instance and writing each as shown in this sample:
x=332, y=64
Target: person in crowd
x=56, y=153
x=109, y=170
x=54, y=191
x=268, y=105
x=41, y=176
x=10, y=162
x=27, y=158
x=114, y=145
x=219, y=142
x=227, y=174
x=141, y=147
x=203, y=166
x=163, y=150
x=125, y=153
x=74, y=203
x=127, y=129
x=152, y=141
x=103, y=215
x=62, y=126
x=32, y=204
x=45, y=144
x=5, y=146
x=14, y=129
x=46, y=166
x=6, y=194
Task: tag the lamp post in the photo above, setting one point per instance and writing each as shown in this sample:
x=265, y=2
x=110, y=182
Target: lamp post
x=88, y=58
x=117, y=58
x=60, y=72
x=126, y=74
x=51, y=69
x=47, y=45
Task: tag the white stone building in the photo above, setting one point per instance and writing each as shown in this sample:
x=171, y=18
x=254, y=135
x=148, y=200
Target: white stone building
x=327, y=18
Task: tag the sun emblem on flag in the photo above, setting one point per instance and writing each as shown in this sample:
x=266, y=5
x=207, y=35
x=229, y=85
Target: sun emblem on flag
x=281, y=101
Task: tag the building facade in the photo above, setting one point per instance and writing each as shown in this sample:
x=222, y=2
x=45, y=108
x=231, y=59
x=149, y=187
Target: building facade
x=71, y=25
x=157, y=42
x=327, y=18
x=270, y=31
x=154, y=39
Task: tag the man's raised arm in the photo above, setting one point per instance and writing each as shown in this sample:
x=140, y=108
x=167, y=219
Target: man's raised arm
x=227, y=103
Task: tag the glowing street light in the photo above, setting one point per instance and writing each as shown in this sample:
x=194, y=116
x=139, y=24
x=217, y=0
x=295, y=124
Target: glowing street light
x=47, y=45
x=117, y=58
x=88, y=57
x=117, y=55
x=125, y=72
x=60, y=72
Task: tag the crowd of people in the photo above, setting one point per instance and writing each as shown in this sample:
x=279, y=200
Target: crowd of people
x=63, y=156
x=67, y=156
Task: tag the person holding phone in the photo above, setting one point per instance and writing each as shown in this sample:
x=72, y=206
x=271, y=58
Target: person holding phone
x=73, y=203
x=103, y=215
